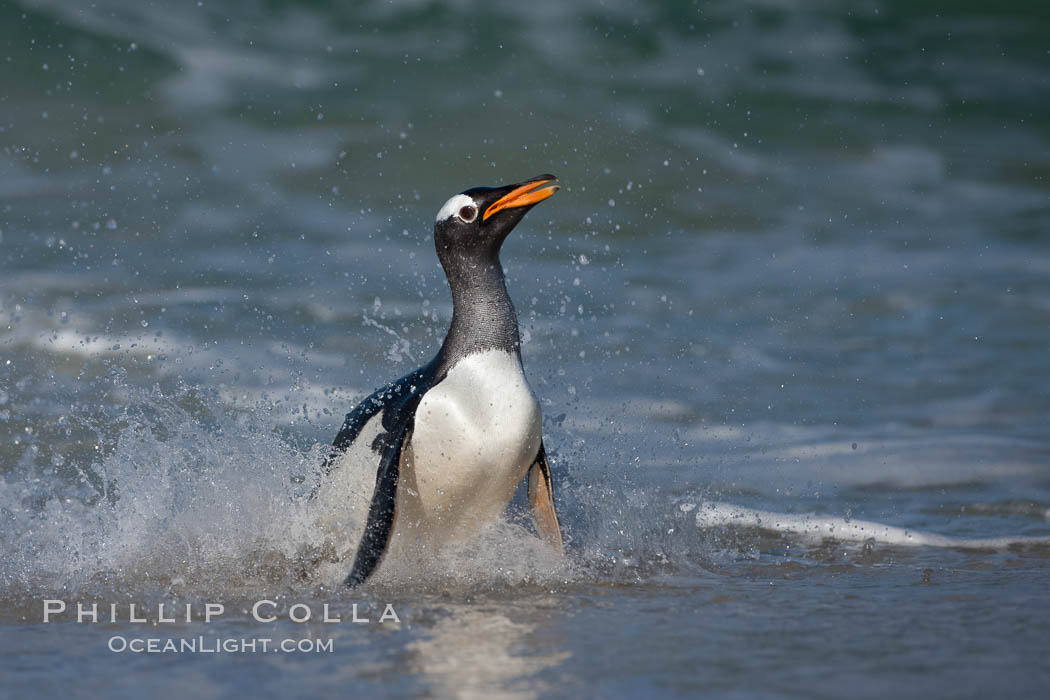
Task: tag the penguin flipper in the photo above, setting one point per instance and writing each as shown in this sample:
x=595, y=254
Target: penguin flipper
x=541, y=500
x=356, y=420
x=381, y=512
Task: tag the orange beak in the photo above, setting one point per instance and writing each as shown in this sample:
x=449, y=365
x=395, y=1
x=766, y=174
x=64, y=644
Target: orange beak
x=529, y=193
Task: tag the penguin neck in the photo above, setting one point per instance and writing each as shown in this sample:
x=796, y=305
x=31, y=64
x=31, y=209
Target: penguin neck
x=483, y=316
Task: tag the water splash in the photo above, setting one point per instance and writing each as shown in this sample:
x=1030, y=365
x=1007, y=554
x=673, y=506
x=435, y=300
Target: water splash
x=195, y=497
x=401, y=347
x=191, y=496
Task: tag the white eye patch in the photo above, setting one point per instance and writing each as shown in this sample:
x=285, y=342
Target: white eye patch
x=452, y=206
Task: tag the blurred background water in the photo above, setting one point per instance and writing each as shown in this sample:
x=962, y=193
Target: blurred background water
x=799, y=263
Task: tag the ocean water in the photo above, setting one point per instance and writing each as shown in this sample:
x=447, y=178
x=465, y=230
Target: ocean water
x=788, y=321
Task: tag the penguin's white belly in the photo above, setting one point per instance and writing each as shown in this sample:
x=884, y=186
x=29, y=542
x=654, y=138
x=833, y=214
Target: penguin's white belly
x=474, y=438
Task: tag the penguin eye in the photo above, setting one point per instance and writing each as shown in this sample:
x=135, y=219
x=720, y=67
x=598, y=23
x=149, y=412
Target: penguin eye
x=468, y=213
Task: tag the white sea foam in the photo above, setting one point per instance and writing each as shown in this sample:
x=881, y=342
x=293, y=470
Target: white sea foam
x=811, y=528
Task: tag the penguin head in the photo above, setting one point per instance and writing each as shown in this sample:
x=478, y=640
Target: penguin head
x=474, y=223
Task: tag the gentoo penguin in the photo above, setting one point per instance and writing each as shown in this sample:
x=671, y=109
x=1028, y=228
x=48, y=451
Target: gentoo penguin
x=453, y=439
